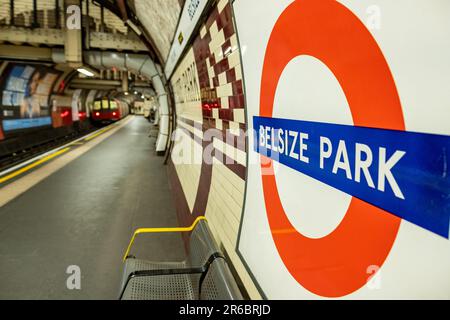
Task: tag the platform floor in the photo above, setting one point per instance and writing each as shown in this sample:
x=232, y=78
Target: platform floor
x=84, y=215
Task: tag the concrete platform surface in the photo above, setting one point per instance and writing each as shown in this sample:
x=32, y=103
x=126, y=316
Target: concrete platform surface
x=83, y=215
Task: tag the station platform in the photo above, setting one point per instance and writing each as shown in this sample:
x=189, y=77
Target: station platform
x=84, y=215
x=218, y=150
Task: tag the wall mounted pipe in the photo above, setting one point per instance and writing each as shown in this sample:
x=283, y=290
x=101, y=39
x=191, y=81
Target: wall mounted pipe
x=139, y=64
x=93, y=82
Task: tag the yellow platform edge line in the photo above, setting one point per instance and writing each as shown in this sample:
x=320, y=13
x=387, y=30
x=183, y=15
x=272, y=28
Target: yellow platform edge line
x=99, y=133
x=51, y=156
x=161, y=230
x=33, y=165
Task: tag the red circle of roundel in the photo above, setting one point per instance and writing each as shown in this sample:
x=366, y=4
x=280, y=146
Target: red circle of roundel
x=337, y=264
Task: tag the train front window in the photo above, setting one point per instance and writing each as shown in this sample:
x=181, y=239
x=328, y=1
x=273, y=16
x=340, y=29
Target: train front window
x=97, y=105
x=113, y=105
x=105, y=104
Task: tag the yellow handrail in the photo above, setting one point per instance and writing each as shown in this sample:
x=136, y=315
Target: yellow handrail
x=160, y=230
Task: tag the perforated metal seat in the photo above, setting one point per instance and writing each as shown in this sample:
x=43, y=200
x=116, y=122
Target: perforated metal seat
x=164, y=287
x=201, y=246
x=132, y=265
x=217, y=283
x=204, y=266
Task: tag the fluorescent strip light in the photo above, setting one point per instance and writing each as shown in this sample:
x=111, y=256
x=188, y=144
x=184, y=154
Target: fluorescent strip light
x=134, y=27
x=85, y=72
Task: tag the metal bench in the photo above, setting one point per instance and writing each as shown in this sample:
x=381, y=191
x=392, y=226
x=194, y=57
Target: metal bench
x=203, y=275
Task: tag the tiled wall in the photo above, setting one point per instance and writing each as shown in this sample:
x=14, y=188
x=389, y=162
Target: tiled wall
x=189, y=112
x=209, y=97
x=113, y=22
x=46, y=14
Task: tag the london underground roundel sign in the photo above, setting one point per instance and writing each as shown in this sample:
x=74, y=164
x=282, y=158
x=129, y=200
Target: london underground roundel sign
x=366, y=158
x=334, y=265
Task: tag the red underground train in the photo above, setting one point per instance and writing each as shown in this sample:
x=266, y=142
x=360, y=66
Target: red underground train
x=107, y=110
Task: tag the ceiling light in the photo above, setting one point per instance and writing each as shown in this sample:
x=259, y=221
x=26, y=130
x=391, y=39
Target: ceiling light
x=134, y=27
x=85, y=72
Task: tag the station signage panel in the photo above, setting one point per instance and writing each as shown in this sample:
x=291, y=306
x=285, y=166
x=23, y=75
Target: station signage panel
x=25, y=92
x=348, y=188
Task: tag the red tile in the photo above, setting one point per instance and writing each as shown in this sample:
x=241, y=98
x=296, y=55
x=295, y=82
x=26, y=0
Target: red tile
x=207, y=113
x=228, y=30
x=226, y=47
x=226, y=114
x=207, y=37
x=231, y=102
x=219, y=23
x=216, y=81
x=236, y=101
x=225, y=16
x=231, y=75
x=212, y=18
x=212, y=60
x=241, y=101
x=237, y=88
x=222, y=66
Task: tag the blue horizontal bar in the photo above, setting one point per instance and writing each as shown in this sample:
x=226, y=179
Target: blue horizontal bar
x=16, y=124
x=408, y=175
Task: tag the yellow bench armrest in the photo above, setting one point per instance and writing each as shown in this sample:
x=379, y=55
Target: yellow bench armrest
x=160, y=230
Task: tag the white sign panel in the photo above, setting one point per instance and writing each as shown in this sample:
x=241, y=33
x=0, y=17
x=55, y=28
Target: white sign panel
x=191, y=14
x=348, y=186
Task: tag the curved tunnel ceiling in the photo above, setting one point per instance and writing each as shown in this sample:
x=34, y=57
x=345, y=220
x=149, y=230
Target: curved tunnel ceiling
x=159, y=18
